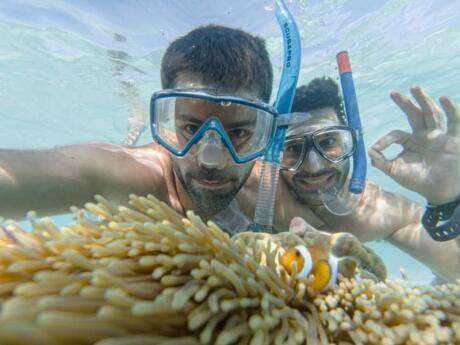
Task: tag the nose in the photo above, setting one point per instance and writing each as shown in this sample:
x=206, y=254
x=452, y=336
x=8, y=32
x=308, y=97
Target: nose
x=313, y=161
x=211, y=151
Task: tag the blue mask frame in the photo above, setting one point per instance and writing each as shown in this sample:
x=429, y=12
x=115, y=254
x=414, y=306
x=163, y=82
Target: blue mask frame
x=212, y=123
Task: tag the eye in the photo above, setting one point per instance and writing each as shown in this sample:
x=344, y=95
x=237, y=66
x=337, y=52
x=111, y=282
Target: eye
x=293, y=148
x=302, y=257
x=307, y=266
x=239, y=133
x=239, y=136
x=328, y=142
x=190, y=129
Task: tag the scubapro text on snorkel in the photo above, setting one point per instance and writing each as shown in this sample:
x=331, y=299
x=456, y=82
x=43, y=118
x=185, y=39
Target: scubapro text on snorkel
x=287, y=31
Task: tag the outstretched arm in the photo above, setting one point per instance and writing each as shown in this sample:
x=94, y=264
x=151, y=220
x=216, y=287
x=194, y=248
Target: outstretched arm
x=442, y=257
x=50, y=181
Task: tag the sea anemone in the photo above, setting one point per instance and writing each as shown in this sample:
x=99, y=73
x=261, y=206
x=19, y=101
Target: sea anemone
x=144, y=274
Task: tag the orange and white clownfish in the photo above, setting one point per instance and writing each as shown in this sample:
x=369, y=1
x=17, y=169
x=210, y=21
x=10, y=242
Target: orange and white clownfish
x=310, y=261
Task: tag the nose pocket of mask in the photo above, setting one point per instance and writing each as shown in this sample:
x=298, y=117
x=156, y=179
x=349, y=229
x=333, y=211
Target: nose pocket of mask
x=314, y=162
x=210, y=151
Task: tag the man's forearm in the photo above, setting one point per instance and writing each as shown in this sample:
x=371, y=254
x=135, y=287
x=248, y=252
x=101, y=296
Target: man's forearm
x=48, y=181
x=391, y=216
x=442, y=257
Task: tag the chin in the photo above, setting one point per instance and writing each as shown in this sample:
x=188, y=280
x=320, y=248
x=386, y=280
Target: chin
x=311, y=199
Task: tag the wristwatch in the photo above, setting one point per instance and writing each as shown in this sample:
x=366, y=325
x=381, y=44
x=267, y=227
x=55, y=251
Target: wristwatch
x=442, y=222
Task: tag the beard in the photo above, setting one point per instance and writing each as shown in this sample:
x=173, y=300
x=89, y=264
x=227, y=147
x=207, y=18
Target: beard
x=209, y=201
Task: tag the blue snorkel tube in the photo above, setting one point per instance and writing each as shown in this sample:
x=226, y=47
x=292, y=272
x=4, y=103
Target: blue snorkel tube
x=344, y=201
x=263, y=218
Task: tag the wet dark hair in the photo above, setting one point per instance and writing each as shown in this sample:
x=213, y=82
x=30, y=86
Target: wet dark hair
x=319, y=93
x=224, y=58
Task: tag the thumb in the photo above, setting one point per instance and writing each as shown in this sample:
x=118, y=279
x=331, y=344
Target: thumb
x=299, y=226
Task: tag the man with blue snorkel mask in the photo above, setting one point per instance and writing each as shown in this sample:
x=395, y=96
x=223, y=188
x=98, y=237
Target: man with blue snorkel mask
x=214, y=138
x=210, y=123
x=214, y=122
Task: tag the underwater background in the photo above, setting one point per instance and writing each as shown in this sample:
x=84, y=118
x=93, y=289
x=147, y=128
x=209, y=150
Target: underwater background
x=70, y=71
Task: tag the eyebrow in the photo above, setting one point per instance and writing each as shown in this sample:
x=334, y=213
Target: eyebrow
x=189, y=118
x=242, y=123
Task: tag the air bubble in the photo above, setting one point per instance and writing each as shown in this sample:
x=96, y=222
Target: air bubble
x=268, y=6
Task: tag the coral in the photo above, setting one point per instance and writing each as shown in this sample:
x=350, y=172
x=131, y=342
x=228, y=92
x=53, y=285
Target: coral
x=145, y=275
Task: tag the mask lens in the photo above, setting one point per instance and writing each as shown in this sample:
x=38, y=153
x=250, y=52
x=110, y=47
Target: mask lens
x=249, y=129
x=335, y=144
x=293, y=152
x=175, y=133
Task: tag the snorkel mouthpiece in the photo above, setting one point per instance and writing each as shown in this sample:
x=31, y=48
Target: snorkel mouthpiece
x=263, y=218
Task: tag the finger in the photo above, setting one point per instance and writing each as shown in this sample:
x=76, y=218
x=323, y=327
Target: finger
x=379, y=161
x=299, y=226
x=394, y=137
x=412, y=112
x=430, y=111
x=453, y=115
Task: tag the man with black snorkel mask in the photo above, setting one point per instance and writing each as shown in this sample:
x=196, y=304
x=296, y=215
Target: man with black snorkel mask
x=318, y=144
x=317, y=154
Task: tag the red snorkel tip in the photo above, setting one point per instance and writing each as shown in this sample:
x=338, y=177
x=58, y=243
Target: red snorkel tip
x=343, y=62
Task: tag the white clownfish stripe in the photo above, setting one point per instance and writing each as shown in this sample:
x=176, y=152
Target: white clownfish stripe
x=308, y=262
x=334, y=264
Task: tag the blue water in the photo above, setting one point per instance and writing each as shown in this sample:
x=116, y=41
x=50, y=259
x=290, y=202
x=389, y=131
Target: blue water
x=58, y=86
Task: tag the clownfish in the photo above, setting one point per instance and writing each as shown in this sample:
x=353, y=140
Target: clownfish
x=311, y=261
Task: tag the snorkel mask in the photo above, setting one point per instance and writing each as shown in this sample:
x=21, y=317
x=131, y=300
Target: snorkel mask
x=328, y=141
x=181, y=123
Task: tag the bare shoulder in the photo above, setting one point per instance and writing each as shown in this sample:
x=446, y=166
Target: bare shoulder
x=247, y=195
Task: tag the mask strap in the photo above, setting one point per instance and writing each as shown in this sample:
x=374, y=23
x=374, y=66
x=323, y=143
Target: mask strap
x=292, y=119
